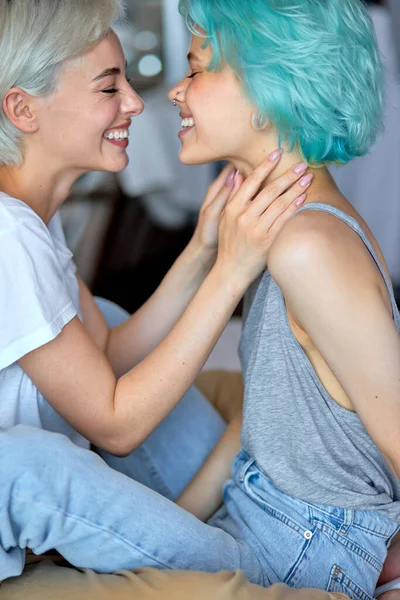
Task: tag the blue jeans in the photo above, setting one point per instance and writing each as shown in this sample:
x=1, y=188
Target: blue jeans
x=56, y=495
x=108, y=513
x=300, y=543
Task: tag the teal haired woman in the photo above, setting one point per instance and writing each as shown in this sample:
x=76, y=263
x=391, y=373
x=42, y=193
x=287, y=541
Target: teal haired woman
x=315, y=488
x=310, y=495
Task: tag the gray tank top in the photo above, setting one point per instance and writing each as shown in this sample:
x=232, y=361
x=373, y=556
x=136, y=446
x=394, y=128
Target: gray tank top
x=306, y=444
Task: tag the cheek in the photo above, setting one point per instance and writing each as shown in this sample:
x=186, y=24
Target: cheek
x=81, y=120
x=217, y=105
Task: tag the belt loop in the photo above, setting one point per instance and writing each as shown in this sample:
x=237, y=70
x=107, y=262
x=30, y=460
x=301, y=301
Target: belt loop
x=245, y=468
x=347, y=521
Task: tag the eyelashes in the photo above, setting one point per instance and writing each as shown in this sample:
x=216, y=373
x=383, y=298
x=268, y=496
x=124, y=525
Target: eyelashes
x=191, y=76
x=115, y=90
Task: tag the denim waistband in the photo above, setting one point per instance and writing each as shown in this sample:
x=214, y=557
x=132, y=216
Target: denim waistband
x=341, y=519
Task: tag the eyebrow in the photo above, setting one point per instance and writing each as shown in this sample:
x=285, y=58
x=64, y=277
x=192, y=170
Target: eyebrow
x=110, y=71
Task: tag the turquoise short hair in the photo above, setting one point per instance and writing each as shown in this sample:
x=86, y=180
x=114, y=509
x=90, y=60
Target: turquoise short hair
x=311, y=66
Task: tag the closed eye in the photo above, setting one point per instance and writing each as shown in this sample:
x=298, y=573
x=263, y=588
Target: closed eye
x=193, y=75
x=115, y=90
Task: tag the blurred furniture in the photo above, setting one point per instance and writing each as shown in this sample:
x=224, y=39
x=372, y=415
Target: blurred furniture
x=136, y=255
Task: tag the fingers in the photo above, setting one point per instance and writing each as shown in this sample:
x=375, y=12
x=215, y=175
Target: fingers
x=235, y=185
x=218, y=197
x=219, y=184
x=218, y=203
x=279, y=194
x=253, y=183
x=274, y=221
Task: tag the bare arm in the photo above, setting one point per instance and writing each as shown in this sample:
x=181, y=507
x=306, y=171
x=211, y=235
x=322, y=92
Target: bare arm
x=126, y=345
x=134, y=339
x=333, y=289
x=203, y=496
x=75, y=376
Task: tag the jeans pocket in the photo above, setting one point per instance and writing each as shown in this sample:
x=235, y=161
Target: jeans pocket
x=342, y=583
x=274, y=508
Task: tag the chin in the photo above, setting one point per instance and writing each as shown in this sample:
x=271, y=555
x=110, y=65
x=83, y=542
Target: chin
x=192, y=158
x=117, y=166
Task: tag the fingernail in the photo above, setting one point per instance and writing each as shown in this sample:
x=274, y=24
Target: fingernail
x=304, y=181
x=237, y=173
x=300, y=168
x=230, y=179
x=300, y=200
x=275, y=155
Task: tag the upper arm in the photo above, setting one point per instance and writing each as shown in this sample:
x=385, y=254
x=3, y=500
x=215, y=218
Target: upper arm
x=331, y=287
x=73, y=374
x=92, y=317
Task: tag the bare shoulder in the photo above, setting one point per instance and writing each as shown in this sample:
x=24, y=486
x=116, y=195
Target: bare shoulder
x=317, y=245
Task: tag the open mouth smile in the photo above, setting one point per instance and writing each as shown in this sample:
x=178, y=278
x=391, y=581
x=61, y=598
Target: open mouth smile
x=188, y=124
x=118, y=136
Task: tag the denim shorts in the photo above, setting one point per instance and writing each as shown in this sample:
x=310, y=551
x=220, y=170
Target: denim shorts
x=304, y=544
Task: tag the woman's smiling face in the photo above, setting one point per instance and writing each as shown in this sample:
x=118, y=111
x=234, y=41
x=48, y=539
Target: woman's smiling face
x=219, y=107
x=83, y=124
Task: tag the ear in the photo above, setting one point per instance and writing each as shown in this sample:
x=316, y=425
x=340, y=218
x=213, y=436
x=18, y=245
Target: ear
x=19, y=108
x=259, y=122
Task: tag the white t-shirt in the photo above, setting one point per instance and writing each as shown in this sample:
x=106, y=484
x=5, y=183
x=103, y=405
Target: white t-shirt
x=39, y=296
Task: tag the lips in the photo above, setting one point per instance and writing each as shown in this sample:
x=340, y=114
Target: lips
x=119, y=127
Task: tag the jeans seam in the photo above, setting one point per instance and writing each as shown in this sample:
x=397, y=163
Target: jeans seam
x=347, y=583
x=99, y=527
x=299, y=559
x=371, y=531
x=165, y=490
x=282, y=517
x=318, y=509
x=349, y=545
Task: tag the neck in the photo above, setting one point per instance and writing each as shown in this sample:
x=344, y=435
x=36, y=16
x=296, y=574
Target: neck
x=322, y=182
x=40, y=187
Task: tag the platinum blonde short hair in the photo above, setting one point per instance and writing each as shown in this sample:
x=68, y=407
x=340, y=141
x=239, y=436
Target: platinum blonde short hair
x=36, y=37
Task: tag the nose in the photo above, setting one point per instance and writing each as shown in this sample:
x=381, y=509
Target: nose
x=132, y=104
x=177, y=93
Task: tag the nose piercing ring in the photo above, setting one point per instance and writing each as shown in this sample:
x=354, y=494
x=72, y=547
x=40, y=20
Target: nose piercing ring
x=176, y=95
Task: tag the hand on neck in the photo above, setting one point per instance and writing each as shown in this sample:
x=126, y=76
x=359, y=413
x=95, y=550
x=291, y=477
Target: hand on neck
x=322, y=181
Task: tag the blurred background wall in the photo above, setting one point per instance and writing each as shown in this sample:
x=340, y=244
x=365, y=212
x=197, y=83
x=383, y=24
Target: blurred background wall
x=127, y=229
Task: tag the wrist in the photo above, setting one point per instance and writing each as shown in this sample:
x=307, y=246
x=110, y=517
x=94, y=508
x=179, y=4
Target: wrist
x=198, y=253
x=230, y=280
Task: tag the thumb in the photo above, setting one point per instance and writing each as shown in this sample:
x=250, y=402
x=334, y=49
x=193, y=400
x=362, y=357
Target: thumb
x=235, y=185
x=218, y=204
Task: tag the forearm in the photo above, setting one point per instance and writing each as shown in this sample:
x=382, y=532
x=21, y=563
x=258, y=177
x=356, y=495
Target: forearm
x=148, y=393
x=133, y=340
x=203, y=496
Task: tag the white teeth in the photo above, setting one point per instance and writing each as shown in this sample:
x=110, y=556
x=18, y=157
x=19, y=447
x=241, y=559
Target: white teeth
x=117, y=135
x=187, y=123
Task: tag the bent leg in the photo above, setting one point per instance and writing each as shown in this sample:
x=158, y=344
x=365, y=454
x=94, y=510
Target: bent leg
x=225, y=391
x=56, y=495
